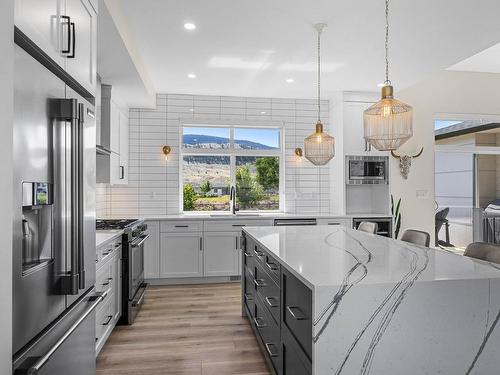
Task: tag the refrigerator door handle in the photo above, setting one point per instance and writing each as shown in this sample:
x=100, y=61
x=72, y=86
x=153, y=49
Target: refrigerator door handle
x=35, y=364
x=80, y=195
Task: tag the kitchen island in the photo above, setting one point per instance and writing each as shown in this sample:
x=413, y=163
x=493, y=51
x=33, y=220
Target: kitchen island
x=332, y=300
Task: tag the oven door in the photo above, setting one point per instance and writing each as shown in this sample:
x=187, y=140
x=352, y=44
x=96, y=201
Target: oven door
x=136, y=264
x=367, y=170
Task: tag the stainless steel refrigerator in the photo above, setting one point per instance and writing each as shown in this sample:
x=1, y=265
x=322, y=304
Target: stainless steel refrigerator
x=54, y=222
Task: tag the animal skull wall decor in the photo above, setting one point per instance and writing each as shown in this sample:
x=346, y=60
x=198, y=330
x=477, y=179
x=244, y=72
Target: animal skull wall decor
x=405, y=162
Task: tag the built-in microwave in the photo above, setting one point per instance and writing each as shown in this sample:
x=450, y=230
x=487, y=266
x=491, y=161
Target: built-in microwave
x=362, y=170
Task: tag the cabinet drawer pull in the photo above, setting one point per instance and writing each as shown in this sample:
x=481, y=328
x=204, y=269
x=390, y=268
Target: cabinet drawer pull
x=272, y=266
x=258, y=252
x=106, y=283
x=108, y=319
x=270, y=302
x=259, y=283
x=110, y=278
x=248, y=297
x=259, y=322
x=296, y=312
x=181, y=226
x=272, y=353
x=248, y=255
x=239, y=225
x=333, y=223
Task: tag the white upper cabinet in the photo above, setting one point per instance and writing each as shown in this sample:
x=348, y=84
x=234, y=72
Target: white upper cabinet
x=41, y=21
x=66, y=30
x=81, y=62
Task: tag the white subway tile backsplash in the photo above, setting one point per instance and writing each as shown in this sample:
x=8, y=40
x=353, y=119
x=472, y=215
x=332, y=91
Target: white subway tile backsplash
x=153, y=187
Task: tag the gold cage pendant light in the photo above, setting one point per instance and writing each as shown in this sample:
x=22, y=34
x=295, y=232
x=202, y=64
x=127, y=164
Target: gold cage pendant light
x=389, y=122
x=319, y=147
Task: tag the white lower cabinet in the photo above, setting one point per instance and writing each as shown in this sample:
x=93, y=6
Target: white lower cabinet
x=181, y=254
x=221, y=254
x=108, y=279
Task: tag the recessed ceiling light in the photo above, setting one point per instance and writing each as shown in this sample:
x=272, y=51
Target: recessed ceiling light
x=263, y=113
x=191, y=109
x=290, y=80
x=191, y=75
x=189, y=26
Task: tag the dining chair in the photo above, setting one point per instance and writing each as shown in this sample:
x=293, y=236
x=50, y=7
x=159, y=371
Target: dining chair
x=484, y=251
x=416, y=237
x=368, y=227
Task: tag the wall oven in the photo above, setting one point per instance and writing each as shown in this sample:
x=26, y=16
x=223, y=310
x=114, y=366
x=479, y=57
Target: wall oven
x=364, y=170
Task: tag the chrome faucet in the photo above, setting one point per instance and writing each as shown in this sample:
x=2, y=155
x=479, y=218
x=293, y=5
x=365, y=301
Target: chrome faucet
x=232, y=200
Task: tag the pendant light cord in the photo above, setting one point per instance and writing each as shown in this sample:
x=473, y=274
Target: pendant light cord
x=387, y=81
x=319, y=75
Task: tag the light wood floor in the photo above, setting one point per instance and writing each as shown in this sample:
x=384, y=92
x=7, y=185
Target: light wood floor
x=188, y=329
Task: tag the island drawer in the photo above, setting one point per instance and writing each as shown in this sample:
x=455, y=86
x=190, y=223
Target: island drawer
x=249, y=291
x=267, y=262
x=248, y=260
x=297, y=310
x=268, y=291
x=269, y=333
x=295, y=361
x=181, y=226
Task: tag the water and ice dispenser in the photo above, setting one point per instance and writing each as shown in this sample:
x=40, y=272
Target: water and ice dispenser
x=37, y=225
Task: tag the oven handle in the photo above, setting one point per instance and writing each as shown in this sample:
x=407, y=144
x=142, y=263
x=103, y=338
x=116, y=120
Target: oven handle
x=36, y=366
x=139, y=242
x=139, y=300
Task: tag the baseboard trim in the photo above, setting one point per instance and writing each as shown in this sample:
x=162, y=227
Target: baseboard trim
x=194, y=280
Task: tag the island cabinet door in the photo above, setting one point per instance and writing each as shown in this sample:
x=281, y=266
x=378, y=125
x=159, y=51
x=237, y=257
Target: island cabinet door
x=294, y=359
x=181, y=255
x=221, y=254
x=297, y=310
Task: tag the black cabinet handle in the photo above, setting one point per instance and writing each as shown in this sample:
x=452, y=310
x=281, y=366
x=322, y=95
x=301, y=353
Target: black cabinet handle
x=122, y=172
x=248, y=297
x=71, y=40
x=259, y=322
x=296, y=312
x=272, y=266
x=108, y=319
x=106, y=283
x=239, y=225
x=259, y=283
x=181, y=226
x=258, y=252
x=248, y=255
x=67, y=23
x=270, y=302
x=272, y=353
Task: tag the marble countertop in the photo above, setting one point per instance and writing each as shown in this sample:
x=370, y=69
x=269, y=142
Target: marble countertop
x=250, y=216
x=324, y=255
x=103, y=236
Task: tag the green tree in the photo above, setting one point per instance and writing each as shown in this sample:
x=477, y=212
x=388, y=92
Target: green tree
x=206, y=187
x=248, y=191
x=189, y=197
x=268, y=172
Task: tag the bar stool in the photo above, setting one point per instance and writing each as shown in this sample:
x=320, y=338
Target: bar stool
x=416, y=237
x=368, y=227
x=484, y=251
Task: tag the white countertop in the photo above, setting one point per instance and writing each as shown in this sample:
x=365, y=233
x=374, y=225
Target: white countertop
x=250, y=216
x=103, y=236
x=323, y=255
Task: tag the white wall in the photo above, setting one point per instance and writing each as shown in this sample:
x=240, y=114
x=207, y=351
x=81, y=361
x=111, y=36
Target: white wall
x=6, y=109
x=446, y=92
x=153, y=187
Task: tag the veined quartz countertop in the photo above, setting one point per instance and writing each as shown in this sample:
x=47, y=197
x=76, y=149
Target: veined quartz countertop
x=382, y=306
x=252, y=216
x=103, y=236
x=323, y=255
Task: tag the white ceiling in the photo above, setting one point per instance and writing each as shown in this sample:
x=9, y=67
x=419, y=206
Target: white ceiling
x=487, y=61
x=250, y=47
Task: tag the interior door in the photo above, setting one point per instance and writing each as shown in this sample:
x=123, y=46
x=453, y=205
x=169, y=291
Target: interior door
x=81, y=61
x=221, y=254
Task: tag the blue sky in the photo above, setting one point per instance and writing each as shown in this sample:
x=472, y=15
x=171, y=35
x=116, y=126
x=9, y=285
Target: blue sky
x=268, y=137
x=440, y=124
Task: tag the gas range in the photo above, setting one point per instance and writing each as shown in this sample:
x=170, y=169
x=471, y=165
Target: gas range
x=106, y=224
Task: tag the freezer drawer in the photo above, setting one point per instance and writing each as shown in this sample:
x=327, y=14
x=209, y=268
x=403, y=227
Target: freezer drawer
x=67, y=346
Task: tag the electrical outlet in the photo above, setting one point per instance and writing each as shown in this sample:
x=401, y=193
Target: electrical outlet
x=423, y=194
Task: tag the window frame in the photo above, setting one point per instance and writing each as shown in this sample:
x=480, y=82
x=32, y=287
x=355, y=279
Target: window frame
x=232, y=152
